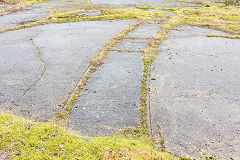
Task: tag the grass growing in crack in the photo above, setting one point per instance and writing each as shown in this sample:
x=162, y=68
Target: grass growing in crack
x=17, y=5
x=24, y=139
x=222, y=18
x=94, y=63
x=67, y=16
x=111, y=14
x=149, y=57
x=125, y=50
x=228, y=36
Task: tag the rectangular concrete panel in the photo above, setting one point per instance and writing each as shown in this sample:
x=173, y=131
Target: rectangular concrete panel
x=111, y=99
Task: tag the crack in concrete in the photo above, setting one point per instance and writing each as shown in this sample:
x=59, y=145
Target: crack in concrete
x=161, y=146
x=74, y=90
x=148, y=105
x=44, y=66
x=102, y=55
x=154, y=127
x=125, y=50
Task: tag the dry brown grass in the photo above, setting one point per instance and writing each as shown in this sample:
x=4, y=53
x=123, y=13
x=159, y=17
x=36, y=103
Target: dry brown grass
x=14, y=8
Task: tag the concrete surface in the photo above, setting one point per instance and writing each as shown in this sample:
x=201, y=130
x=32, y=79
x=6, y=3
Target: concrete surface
x=195, y=97
x=111, y=98
x=36, y=12
x=66, y=50
x=30, y=14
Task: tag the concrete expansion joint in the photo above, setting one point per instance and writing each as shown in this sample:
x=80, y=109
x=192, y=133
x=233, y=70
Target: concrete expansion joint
x=74, y=90
x=125, y=50
x=94, y=63
x=148, y=105
x=155, y=131
x=161, y=139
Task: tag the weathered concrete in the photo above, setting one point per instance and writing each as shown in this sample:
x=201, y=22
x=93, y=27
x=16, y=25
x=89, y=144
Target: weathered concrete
x=2, y=6
x=111, y=99
x=33, y=13
x=140, y=37
x=66, y=50
x=19, y=65
x=36, y=12
x=146, y=31
x=195, y=95
x=133, y=44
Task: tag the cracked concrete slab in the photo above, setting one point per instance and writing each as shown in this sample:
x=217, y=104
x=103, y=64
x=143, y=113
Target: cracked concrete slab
x=111, y=99
x=194, y=94
x=2, y=6
x=133, y=44
x=18, y=58
x=66, y=50
x=36, y=12
x=138, y=39
x=145, y=31
x=30, y=14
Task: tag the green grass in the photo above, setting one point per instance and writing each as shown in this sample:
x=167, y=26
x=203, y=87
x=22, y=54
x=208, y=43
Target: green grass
x=24, y=139
x=226, y=19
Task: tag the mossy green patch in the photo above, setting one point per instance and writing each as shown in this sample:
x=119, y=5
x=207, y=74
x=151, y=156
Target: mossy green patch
x=221, y=18
x=111, y=14
x=24, y=139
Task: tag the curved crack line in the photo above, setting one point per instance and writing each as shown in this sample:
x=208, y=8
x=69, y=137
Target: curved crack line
x=44, y=66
